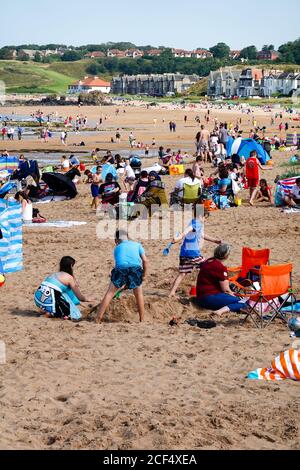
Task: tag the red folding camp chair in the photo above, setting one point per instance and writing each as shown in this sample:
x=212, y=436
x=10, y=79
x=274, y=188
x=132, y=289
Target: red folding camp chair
x=252, y=260
x=275, y=281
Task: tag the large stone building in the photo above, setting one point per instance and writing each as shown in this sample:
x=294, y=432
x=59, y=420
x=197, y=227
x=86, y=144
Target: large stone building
x=250, y=83
x=223, y=82
x=153, y=85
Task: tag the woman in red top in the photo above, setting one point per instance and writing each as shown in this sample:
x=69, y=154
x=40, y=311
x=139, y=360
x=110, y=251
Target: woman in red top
x=213, y=290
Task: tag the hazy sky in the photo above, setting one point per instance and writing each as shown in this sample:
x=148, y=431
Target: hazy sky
x=176, y=23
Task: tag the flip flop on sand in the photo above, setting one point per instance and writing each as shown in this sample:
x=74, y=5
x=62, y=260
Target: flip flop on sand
x=205, y=324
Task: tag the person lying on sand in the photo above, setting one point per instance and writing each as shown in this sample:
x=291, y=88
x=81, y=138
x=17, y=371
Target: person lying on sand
x=59, y=294
x=131, y=266
x=190, y=253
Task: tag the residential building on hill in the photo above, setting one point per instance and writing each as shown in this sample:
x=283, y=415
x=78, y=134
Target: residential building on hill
x=234, y=54
x=115, y=53
x=201, y=54
x=268, y=55
x=250, y=83
x=153, y=85
x=89, y=84
x=153, y=52
x=95, y=55
x=223, y=82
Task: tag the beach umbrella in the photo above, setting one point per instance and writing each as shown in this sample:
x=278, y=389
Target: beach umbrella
x=243, y=148
x=59, y=183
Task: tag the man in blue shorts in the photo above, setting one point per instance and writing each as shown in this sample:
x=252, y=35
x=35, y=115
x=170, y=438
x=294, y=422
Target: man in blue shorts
x=130, y=270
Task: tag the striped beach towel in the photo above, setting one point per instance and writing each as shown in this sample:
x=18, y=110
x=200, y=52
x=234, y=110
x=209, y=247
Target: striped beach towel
x=283, y=188
x=9, y=164
x=288, y=184
x=284, y=366
x=11, y=245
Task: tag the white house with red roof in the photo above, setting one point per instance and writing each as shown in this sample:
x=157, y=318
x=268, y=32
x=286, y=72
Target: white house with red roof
x=89, y=84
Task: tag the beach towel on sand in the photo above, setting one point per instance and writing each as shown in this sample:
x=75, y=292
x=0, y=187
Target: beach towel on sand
x=284, y=366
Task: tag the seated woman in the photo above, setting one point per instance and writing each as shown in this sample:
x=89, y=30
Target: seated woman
x=264, y=192
x=110, y=190
x=155, y=192
x=188, y=179
x=213, y=290
x=59, y=294
x=27, y=209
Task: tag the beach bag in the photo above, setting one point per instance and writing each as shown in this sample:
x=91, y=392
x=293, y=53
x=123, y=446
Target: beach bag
x=210, y=205
x=279, y=196
x=235, y=187
x=176, y=170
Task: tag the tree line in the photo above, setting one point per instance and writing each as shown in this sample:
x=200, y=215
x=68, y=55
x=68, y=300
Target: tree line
x=165, y=63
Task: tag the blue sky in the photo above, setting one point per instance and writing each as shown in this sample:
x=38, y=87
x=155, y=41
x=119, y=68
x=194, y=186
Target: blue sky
x=178, y=23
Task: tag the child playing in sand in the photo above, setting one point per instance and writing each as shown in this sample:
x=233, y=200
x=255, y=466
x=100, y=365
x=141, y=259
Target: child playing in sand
x=96, y=179
x=130, y=271
x=264, y=192
x=190, y=253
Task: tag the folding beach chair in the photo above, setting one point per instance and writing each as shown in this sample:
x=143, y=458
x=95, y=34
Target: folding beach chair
x=252, y=260
x=275, y=281
x=191, y=193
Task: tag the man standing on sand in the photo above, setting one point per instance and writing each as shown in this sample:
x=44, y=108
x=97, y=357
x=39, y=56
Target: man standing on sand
x=252, y=174
x=204, y=143
x=131, y=266
x=223, y=135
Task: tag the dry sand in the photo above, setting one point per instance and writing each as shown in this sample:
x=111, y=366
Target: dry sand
x=125, y=385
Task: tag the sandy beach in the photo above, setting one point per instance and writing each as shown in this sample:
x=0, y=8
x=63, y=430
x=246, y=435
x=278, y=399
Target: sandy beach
x=125, y=385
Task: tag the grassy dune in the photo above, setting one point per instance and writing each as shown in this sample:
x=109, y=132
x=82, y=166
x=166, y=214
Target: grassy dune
x=29, y=77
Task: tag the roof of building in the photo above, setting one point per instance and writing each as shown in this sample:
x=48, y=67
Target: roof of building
x=95, y=54
x=92, y=82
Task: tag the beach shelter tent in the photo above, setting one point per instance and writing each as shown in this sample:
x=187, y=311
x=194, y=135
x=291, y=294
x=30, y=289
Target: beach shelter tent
x=108, y=168
x=11, y=243
x=243, y=148
x=4, y=190
x=28, y=168
x=9, y=163
x=59, y=183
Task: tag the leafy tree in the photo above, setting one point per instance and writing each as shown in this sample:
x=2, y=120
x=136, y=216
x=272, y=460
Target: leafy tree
x=290, y=52
x=92, y=68
x=37, y=57
x=6, y=53
x=220, y=51
x=71, y=56
x=249, y=52
x=111, y=64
